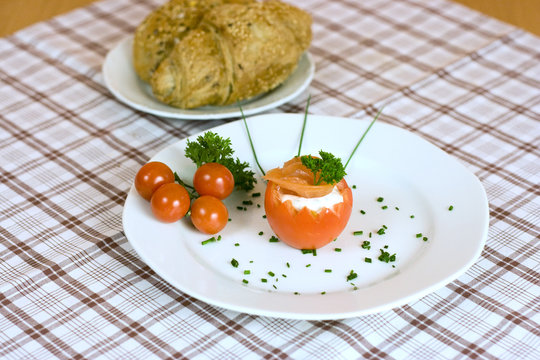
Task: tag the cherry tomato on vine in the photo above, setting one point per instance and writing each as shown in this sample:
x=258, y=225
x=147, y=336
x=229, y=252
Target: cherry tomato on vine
x=151, y=176
x=170, y=202
x=208, y=214
x=213, y=179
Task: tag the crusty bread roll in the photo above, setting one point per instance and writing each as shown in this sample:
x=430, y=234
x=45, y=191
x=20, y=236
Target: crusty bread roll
x=220, y=52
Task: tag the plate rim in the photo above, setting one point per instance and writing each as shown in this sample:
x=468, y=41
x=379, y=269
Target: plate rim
x=352, y=296
x=195, y=114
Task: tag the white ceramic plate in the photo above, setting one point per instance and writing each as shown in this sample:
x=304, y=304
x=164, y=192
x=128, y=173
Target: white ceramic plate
x=121, y=80
x=415, y=179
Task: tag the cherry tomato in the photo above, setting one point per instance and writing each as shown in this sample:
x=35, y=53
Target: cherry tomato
x=208, y=214
x=170, y=202
x=213, y=179
x=306, y=229
x=151, y=176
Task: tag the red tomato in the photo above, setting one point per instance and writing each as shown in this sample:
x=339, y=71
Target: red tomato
x=213, y=179
x=170, y=202
x=306, y=229
x=208, y=214
x=151, y=176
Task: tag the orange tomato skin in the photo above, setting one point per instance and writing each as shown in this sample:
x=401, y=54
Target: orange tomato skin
x=208, y=214
x=306, y=229
x=170, y=202
x=151, y=176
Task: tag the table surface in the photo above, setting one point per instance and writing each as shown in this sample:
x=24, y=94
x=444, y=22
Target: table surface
x=71, y=285
x=16, y=15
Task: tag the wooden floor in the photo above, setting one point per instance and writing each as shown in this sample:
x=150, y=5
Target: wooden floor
x=17, y=14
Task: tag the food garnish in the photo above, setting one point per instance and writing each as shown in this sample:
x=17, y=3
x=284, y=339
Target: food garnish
x=212, y=148
x=327, y=168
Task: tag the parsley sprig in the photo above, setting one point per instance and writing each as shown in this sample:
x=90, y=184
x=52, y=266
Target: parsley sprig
x=327, y=168
x=210, y=147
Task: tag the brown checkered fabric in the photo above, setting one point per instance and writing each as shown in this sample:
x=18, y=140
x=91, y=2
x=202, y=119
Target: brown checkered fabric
x=72, y=287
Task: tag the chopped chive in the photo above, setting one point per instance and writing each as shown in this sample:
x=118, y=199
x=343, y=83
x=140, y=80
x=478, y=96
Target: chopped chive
x=369, y=235
x=396, y=208
x=288, y=265
x=236, y=244
x=247, y=202
x=251, y=261
x=352, y=275
x=327, y=270
x=247, y=272
x=362, y=212
x=308, y=265
x=229, y=219
x=359, y=232
x=271, y=273
x=296, y=293
x=384, y=207
x=245, y=281
x=412, y=216
x=273, y=239
x=284, y=275
x=451, y=207
x=207, y=241
x=257, y=194
x=264, y=216
x=234, y=263
x=337, y=249
x=240, y=207
x=425, y=238
x=258, y=205
x=260, y=233
x=386, y=246
x=323, y=292
x=274, y=286
x=264, y=280
x=380, y=199
x=381, y=231
x=366, y=245
x=218, y=238
x=419, y=235
x=386, y=257
x=354, y=186
x=368, y=260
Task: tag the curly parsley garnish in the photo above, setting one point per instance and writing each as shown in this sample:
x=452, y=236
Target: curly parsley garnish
x=210, y=147
x=327, y=168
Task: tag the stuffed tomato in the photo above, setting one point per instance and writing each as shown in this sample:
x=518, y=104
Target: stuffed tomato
x=302, y=214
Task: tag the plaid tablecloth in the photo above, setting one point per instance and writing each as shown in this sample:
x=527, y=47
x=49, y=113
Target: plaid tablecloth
x=71, y=286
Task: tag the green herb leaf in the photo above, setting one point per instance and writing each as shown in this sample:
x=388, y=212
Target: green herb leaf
x=210, y=147
x=327, y=168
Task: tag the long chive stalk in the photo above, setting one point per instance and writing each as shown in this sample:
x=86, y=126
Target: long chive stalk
x=250, y=141
x=363, y=136
x=304, y=125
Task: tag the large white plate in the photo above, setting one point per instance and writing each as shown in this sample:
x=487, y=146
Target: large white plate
x=122, y=81
x=407, y=171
